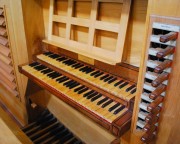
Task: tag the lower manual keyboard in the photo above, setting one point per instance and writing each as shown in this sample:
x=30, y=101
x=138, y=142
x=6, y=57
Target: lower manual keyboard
x=106, y=111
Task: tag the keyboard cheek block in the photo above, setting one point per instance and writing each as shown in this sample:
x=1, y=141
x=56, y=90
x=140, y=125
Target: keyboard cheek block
x=118, y=126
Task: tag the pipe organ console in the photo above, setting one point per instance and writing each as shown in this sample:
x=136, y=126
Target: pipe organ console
x=74, y=71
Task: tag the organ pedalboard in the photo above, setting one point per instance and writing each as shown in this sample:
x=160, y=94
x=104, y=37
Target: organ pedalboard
x=103, y=97
x=161, y=50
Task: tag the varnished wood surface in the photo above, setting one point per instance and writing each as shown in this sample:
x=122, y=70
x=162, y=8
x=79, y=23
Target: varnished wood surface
x=10, y=133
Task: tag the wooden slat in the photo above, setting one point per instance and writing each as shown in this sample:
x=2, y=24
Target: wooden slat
x=69, y=14
x=80, y=22
x=51, y=11
x=14, y=92
x=1, y=11
x=91, y=28
x=112, y=1
x=4, y=50
x=6, y=67
x=3, y=41
x=10, y=77
x=57, y=18
x=5, y=59
x=107, y=26
x=3, y=31
x=2, y=21
x=122, y=29
x=10, y=84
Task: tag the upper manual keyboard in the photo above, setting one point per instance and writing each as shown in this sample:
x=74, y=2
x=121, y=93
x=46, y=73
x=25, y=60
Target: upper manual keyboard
x=117, y=86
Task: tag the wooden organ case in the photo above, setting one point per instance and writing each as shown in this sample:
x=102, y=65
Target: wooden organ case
x=82, y=60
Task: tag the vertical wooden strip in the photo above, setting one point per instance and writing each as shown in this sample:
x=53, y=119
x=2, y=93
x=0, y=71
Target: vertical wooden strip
x=51, y=12
x=92, y=26
x=122, y=29
x=68, y=24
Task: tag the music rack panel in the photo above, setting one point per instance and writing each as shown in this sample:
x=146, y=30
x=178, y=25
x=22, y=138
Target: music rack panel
x=96, y=29
x=8, y=77
x=160, y=53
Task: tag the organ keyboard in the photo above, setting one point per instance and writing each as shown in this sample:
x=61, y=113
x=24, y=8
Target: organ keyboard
x=101, y=96
x=115, y=85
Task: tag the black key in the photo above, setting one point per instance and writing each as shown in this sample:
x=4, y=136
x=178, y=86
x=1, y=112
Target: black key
x=101, y=101
x=88, y=93
x=65, y=138
x=119, y=109
x=34, y=64
x=84, y=69
x=83, y=90
x=75, y=85
x=112, y=80
x=68, y=82
x=71, y=83
x=107, y=103
x=79, y=66
x=55, y=76
x=97, y=75
x=61, y=59
x=61, y=78
x=118, y=83
x=96, y=97
x=92, y=95
x=103, y=77
x=130, y=88
x=72, y=63
x=81, y=69
x=66, y=61
x=41, y=67
x=76, y=65
x=51, y=74
x=113, y=107
x=94, y=73
x=133, y=91
x=123, y=85
x=46, y=71
x=54, y=56
x=108, y=78
x=90, y=70
x=79, y=88
x=47, y=53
